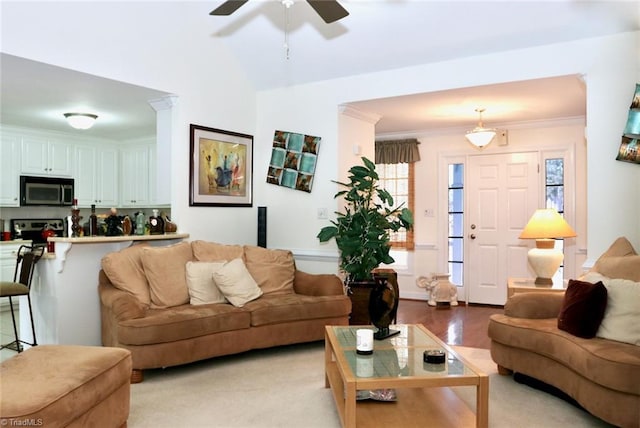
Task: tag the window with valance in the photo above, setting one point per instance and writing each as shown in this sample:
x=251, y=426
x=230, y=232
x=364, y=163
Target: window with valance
x=395, y=161
x=397, y=151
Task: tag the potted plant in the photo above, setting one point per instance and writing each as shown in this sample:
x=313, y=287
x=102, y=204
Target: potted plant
x=362, y=234
x=362, y=231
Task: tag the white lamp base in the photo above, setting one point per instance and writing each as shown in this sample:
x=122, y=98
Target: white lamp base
x=545, y=261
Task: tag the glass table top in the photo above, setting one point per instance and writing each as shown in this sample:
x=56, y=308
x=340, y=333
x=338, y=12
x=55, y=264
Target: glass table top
x=400, y=355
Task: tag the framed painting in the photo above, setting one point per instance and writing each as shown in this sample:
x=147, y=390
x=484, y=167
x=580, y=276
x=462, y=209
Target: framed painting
x=293, y=160
x=221, y=168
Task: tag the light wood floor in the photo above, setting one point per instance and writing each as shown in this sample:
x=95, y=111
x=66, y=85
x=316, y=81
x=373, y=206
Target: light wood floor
x=460, y=325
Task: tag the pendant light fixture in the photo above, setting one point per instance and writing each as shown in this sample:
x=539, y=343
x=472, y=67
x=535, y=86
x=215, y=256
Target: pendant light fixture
x=480, y=136
x=81, y=120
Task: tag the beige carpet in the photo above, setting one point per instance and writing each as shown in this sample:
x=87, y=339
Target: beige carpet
x=284, y=387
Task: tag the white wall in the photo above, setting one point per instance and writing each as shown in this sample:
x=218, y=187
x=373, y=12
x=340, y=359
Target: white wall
x=613, y=189
x=608, y=85
x=112, y=41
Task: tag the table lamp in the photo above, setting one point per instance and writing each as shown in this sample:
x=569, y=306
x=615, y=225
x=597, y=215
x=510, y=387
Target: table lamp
x=545, y=226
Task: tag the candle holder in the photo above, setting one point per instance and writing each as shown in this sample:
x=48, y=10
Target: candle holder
x=75, y=222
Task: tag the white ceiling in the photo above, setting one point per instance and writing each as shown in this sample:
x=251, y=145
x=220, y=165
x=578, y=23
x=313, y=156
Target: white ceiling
x=387, y=34
x=562, y=97
x=377, y=35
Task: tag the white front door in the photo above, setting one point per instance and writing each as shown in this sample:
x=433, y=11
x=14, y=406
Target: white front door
x=503, y=193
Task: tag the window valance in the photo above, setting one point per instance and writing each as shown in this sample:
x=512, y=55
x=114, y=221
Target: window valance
x=397, y=151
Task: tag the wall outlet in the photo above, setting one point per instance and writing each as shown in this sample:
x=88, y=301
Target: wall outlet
x=429, y=212
x=323, y=214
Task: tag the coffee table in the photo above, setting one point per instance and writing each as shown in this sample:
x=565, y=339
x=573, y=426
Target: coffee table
x=422, y=393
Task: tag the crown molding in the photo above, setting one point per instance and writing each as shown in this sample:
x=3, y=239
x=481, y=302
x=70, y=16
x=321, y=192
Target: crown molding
x=163, y=103
x=348, y=110
x=542, y=123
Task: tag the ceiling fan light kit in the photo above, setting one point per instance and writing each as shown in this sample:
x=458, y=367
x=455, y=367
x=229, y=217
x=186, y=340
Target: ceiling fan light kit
x=480, y=136
x=81, y=120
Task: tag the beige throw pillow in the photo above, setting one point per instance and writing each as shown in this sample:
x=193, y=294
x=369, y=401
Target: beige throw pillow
x=273, y=270
x=165, y=268
x=124, y=270
x=619, y=248
x=202, y=287
x=236, y=283
x=624, y=267
x=620, y=322
x=205, y=251
x=619, y=261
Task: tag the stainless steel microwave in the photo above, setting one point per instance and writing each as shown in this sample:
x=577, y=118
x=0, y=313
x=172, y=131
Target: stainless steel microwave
x=49, y=191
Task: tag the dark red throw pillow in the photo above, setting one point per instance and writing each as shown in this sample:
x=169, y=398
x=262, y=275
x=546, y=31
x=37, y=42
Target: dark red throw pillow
x=582, y=308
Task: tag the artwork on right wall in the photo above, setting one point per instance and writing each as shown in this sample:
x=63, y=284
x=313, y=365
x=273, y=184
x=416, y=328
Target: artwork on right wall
x=629, y=150
x=293, y=160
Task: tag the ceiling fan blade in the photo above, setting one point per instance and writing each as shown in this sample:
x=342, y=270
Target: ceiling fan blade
x=329, y=10
x=228, y=7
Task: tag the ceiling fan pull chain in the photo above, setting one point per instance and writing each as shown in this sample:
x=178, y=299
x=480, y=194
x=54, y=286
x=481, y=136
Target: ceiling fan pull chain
x=286, y=28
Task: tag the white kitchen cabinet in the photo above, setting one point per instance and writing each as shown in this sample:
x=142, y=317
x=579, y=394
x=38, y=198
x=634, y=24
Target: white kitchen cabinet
x=153, y=179
x=42, y=156
x=134, y=179
x=8, y=254
x=96, y=176
x=10, y=171
x=107, y=184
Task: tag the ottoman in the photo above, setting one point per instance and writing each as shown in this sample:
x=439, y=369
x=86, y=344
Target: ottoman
x=59, y=386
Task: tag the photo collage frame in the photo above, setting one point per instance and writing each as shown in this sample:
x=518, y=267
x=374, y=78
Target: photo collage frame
x=629, y=150
x=293, y=160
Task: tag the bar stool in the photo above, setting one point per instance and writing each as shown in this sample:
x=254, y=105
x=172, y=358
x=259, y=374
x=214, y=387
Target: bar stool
x=26, y=261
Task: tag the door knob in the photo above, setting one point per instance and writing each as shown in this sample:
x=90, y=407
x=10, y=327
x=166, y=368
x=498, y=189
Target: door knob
x=472, y=236
x=473, y=226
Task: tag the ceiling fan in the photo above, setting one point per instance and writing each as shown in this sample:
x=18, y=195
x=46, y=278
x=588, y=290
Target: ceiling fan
x=329, y=10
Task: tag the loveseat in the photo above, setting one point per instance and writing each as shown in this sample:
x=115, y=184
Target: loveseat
x=562, y=340
x=195, y=300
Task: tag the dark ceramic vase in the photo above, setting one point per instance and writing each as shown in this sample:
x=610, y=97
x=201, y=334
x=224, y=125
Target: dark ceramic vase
x=383, y=304
x=359, y=293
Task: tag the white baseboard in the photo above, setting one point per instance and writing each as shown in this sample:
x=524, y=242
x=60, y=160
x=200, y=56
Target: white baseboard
x=414, y=295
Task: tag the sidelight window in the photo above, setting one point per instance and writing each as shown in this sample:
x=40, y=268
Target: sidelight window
x=456, y=222
x=554, y=193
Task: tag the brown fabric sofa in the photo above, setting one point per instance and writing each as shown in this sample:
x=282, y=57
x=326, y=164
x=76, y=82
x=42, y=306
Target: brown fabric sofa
x=601, y=374
x=148, y=309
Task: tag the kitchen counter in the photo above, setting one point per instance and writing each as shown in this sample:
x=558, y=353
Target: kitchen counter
x=13, y=246
x=16, y=242
x=123, y=238
x=66, y=306
x=104, y=243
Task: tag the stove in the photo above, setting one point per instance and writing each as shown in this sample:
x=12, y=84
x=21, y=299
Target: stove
x=31, y=228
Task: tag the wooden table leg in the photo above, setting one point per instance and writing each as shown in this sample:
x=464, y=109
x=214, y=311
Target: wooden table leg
x=350, y=406
x=482, y=402
x=327, y=359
